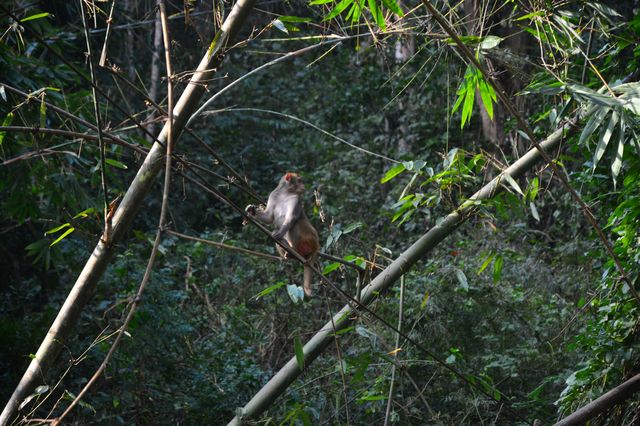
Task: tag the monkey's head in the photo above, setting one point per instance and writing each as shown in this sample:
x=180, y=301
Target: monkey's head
x=292, y=182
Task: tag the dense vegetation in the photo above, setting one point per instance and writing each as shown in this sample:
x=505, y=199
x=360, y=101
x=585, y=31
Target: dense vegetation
x=520, y=314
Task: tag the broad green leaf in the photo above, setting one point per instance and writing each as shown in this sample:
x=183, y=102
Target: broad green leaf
x=534, y=211
x=486, y=96
x=63, y=236
x=393, y=6
x=497, y=268
x=616, y=165
x=605, y=136
x=354, y=12
x=489, y=42
x=531, y=15
x=392, y=172
x=593, y=124
x=297, y=346
x=467, y=106
x=317, y=2
x=486, y=263
x=330, y=267
x=338, y=9
x=115, y=163
x=593, y=96
x=8, y=119
x=513, y=183
x=36, y=16
x=376, y=13
x=269, y=290
x=352, y=227
x=462, y=279
x=532, y=190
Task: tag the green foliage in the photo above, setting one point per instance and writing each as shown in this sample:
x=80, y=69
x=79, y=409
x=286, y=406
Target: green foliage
x=473, y=80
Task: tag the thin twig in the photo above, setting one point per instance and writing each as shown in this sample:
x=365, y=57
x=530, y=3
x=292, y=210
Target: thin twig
x=103, y=55
x=395, y=353
x=96, y=111
x=225, y=246
x=307, y=123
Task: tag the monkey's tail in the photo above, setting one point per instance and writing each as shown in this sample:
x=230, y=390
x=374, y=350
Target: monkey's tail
x=308, y=277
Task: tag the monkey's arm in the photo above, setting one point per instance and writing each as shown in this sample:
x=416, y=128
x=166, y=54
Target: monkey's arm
x=263, y=214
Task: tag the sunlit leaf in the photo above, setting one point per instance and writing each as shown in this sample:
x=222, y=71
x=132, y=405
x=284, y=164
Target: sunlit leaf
x=63, y=236
x=115, y=163
x=57, y=228
x=340, y=7
x=280, y=25
x=269, y=290
x=36, y=16
x=486, y=263
x=489, y=42
x=392, y=172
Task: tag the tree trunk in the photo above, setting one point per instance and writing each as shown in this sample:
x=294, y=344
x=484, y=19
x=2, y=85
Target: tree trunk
x=326, y=335
x=86, y=283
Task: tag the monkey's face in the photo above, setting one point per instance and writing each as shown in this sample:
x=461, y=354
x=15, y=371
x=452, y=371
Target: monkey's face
x=294, y=182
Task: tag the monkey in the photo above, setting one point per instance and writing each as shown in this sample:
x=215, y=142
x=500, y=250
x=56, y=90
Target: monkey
x=284, y=210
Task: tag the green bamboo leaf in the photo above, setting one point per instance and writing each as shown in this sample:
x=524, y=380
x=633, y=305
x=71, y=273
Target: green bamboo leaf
x=57, y=228
x=513, y=183
x=63, y=236
x=330, y=268
x=85, y=213
x=376, y=13
x=338, y=9
x=534, y=211
x=115, y=163
x=485, y=94
x=497, y=268
x=486, y=263
x=593, y=124
x=297, y=346
x=616, y=164
x=393, y=6
x=393, y=172
x=294, y=19
x=8, y=119
x=36, y=16
x=605, y=136
x=269, y=290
